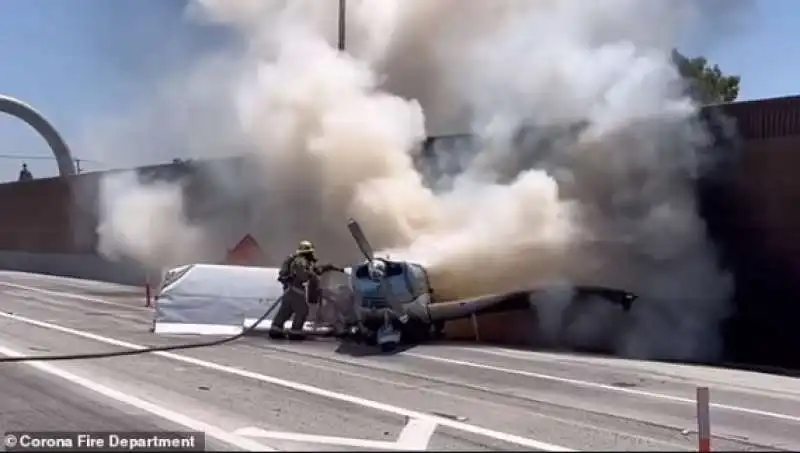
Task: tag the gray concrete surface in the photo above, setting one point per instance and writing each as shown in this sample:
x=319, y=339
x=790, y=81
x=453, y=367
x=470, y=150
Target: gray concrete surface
x=316, y=388
x=35, y=402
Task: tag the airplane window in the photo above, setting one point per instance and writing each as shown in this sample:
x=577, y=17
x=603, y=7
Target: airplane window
x=418, y=279
x=392, y=269
x=400, y=288
x=369, y=288
x=397, y=282
x=362, y=272
x=366, y=286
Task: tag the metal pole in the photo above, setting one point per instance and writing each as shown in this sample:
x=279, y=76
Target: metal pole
x=703, y=420
x=476, y=327
x=342, y=24
x=148, y=297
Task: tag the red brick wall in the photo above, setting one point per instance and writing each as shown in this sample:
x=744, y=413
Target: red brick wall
x=53, y=215
x=757, y=225
x=34, y=216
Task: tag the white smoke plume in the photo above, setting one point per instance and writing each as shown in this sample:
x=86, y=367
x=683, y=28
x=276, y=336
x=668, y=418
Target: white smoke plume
x=147, y=224
x=337, y=135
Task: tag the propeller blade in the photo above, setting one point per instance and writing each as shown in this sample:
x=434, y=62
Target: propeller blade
x=361, y=239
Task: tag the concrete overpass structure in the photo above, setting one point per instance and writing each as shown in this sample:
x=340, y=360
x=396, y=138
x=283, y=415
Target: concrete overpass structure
x=28, y=114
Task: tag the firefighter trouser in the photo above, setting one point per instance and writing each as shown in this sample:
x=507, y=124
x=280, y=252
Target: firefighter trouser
x=293, y=302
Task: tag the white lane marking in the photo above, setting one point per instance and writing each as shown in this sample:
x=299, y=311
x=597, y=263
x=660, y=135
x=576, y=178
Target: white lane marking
x=174, y=328
x=59, y=303
x=595, y=385
x=776, y=387
x=416, y=435
x=738, y=380
x=333, y=369
x=73, y=296
x=546, y=356
x=305, y=388
x=166, y=414
x=252, y=431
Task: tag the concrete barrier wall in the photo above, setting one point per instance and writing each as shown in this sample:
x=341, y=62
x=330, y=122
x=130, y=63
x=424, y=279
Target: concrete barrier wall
x=77, y=265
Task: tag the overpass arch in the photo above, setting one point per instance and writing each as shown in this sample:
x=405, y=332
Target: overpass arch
x=23, y=111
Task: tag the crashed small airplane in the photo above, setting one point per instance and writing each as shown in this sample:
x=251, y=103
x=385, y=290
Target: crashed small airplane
x=379, y=302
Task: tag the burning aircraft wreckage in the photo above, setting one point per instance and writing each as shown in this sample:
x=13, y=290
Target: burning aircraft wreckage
x=379, y=302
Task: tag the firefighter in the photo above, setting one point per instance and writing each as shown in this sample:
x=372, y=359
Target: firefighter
x=299, y=276
x=297, y=273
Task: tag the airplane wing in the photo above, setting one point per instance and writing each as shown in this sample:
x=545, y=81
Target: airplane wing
x=521, y=300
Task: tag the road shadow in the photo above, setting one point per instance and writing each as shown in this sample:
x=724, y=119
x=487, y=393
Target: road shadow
x=362, y=350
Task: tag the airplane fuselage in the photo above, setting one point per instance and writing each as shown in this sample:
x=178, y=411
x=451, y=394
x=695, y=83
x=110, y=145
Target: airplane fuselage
x=398, y=301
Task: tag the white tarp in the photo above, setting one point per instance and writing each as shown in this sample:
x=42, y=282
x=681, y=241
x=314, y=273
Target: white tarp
x=208, y=299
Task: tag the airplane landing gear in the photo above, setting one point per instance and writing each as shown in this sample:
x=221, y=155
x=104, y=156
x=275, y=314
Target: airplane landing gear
x=438, y=329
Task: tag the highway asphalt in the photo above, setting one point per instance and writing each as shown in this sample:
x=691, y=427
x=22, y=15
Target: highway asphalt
x=258, y=394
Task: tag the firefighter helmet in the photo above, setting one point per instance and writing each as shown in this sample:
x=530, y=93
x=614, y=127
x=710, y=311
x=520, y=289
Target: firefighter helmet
x=305, y=247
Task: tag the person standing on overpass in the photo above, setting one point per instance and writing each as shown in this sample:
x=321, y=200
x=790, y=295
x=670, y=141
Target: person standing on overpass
x=25, y=174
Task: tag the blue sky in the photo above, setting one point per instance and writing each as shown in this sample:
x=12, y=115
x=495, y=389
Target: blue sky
x=77, y=59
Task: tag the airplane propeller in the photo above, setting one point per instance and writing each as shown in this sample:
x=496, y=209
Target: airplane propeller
x=361, y=239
